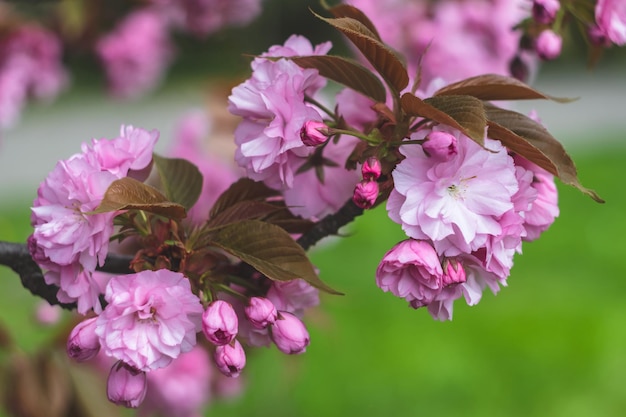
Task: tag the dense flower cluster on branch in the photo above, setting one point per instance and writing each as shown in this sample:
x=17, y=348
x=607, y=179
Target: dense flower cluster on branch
x=211, y=258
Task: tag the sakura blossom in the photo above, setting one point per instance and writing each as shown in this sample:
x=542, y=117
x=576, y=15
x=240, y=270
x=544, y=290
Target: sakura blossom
x=151, y=318
x=611, y=20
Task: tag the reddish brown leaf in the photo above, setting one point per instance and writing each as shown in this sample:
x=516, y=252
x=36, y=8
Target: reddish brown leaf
x=243, y=210
x=531, y=140
x=346, y=72
x=242, y=190
x=495, y=87
x=181, y=180
x=346, y=10
x=130, y=194
x=382, y=58
x=270, y=250
x=464, y=113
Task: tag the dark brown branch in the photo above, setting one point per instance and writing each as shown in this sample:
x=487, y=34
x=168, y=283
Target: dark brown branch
x=330, y=225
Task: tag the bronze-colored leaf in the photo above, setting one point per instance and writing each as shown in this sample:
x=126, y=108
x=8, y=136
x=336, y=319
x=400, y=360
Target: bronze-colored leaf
x=130, y=194
x=242, y=190
x=243, y=210
x=347, y=72
x=465, y=113
x=270, y=250
x=382, y=58
x=181, y=180
x=346, y=10
x=531, y=140
x=496, y=87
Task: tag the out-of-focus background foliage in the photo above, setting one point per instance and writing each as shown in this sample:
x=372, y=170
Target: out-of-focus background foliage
x=553, y=343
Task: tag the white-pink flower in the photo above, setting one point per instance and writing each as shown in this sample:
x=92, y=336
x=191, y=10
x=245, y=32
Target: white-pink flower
x=455, y=203
x=136, y=53
x=151, y=318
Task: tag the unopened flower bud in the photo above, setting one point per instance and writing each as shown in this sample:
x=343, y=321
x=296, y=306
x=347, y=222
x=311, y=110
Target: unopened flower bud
x=126, y=385
x=219, y=323
x=371, y=169
x=261, y=312
x=289, y=334
x=230, y=359
x=314, y=133
x=365, y=194
x=441, y=146
x=548, y=45
x=453, y=273
x=544, y=11
x=83, y=343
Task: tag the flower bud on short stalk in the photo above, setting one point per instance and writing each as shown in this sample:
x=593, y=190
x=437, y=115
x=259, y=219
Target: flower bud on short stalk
x=548, y=45
x=365, y=194
x=453, y=273
x=289, y=334
x=126, y=385
x=371, y=169
x=261, y=312
x=440, y=146
x=230, y=358
x=220, y=323
x=83, y=343
x=314, y=133
x=544, y=11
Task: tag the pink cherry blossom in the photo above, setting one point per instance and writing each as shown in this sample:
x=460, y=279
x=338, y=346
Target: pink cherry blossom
x=83, y=343
x=230, y=359
x=314, y=133
x=219, y=322
x=544, y=11
x=548, y=45
x=136, y=53
x=611, y=20
x=411, y=270
x=272, y=105
x=365, y=194
x=293, y=296
x=289, y=334
x=151, y=318
x=260, y=312
x=371, y=169
x=456, y=203
x=126, y=385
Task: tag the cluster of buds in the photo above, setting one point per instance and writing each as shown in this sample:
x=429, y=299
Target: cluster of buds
x=366, y=192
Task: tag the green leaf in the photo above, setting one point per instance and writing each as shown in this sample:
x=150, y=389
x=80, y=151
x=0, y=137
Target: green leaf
x=270, y=250
x=465, y=113
x=382, y=58
x=243, y=190
x=181, y=180
x=346, y=72
x=531, y=140
x=129, y=194
x=346, y=10
x=496, y=87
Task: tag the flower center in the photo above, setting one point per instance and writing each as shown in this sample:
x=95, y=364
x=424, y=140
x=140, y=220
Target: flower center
x=457, y=191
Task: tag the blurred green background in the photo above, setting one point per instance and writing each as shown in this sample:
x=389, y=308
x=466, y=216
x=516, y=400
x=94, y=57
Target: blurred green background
x=552, y=343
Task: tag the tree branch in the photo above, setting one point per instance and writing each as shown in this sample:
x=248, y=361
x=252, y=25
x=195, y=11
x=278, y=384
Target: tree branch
x=330, y=225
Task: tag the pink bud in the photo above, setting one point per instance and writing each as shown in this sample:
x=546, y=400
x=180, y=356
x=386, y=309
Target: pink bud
x=371, y=169
x=47, y=314
x=230, y=358
x=548, y=45
x=314, y=133
x=126, y=385
x=544, y=11
x=219, y=322
x=261, y=312
x=83, y=343
x=453, y=273
x=440, y=146
x=365, y=194
x=289, y=334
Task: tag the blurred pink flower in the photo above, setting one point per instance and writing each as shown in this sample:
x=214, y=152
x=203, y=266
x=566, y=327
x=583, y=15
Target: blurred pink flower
x=136, y=53
x=182, y=388
x=83, y=343
x=126, y=385
x=30, y=66
x=293, y=296
x=548, y=45
x=151, y=318
x=611, y=20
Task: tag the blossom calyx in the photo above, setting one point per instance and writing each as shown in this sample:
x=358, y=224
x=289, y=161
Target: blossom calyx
x=314, y=133
x=453, y=273
x=441, y=146
x=126, y=385
x=261, y=312
x=289, y=334
x=230, y=358
x=83, y=343
x=220, y=323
